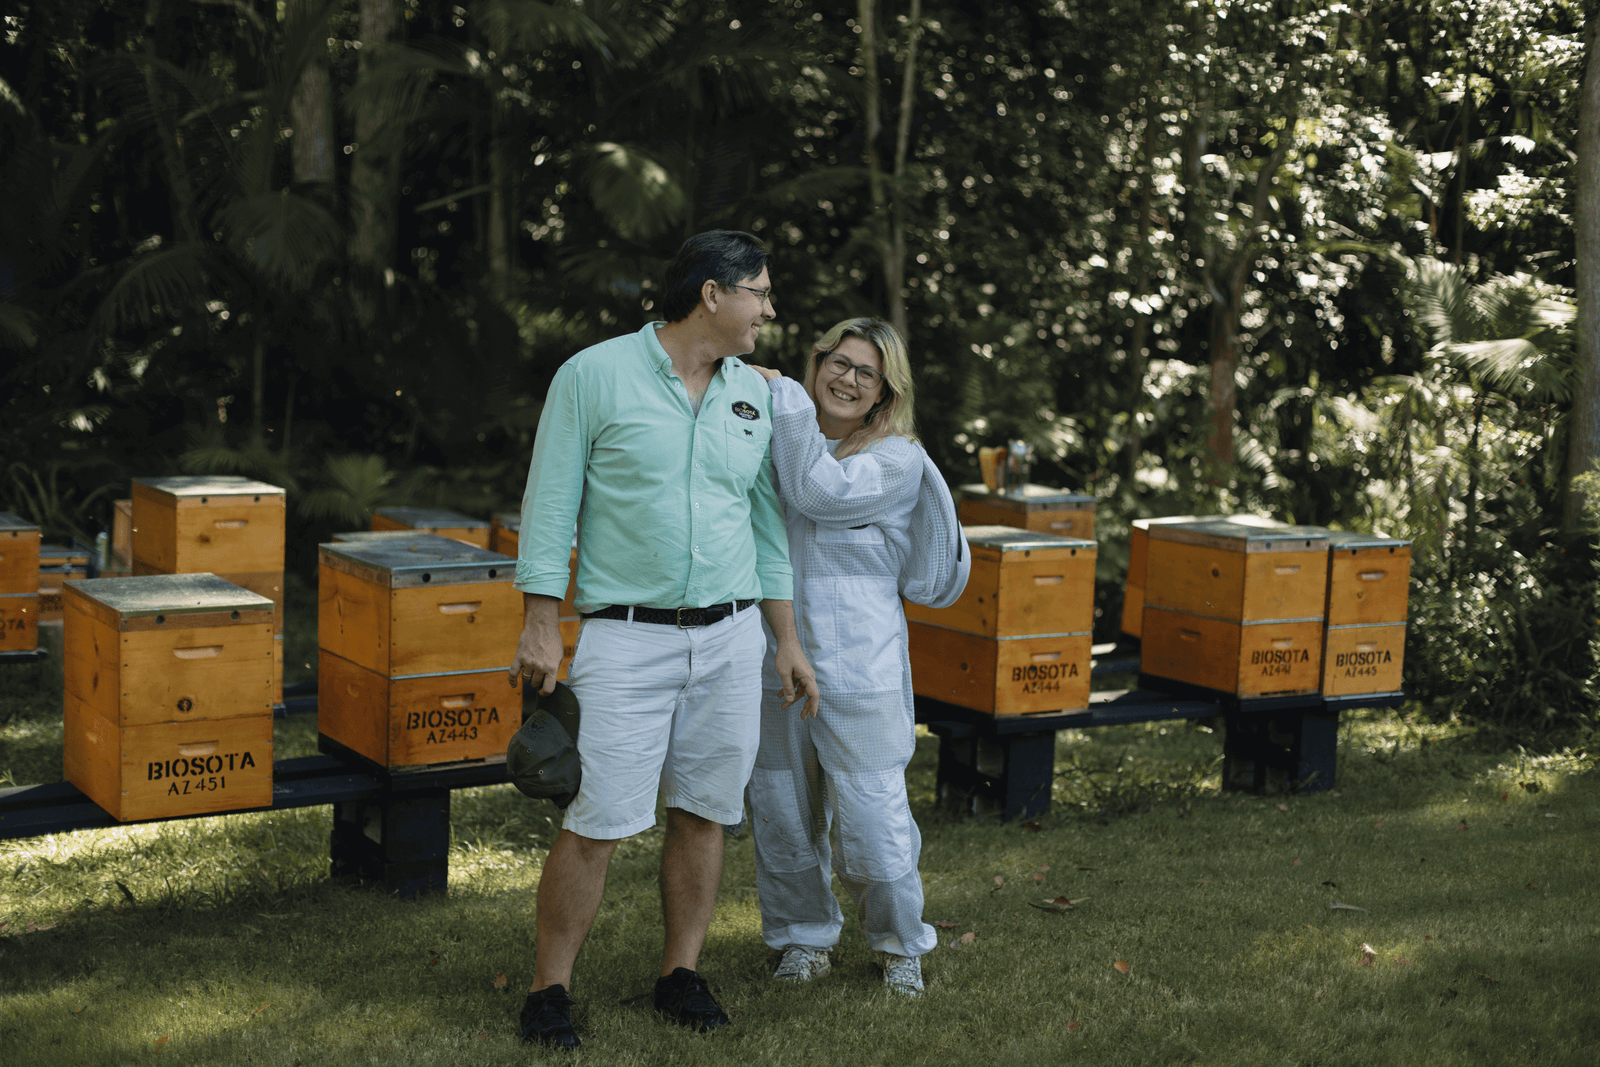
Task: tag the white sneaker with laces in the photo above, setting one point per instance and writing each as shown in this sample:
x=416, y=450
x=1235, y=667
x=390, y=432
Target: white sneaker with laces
x=801, y=964
x=902, y=974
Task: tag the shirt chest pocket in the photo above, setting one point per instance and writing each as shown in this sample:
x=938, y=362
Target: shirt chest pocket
x=746, y=447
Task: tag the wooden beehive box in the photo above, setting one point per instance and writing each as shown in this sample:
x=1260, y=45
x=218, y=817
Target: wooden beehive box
x=224, y=524
x=415, y=637
x=505, y=529
x=1243, y=573
x=1369, y=580
x=439, y=521
x=1138, y=539
x=1235, y=607
x=19, y=584
x=122, y=533
x=19, y=555
x=1018, y=640
x=1029, y=507
x=168, y=704
x=58, y=564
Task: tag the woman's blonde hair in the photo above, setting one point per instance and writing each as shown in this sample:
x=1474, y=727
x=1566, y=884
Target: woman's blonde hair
x=893, y=414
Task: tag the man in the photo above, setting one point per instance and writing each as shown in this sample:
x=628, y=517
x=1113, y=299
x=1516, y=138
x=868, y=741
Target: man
x=656, y=445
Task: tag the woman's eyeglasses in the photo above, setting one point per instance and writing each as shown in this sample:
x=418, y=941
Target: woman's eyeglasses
x=838, y=366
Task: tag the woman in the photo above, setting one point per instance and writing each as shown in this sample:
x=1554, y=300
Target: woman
x=869, y=520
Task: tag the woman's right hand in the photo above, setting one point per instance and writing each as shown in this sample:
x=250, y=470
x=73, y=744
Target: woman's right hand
x=766, y=372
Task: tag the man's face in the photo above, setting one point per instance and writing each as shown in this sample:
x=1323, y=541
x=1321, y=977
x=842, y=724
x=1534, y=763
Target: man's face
x=748, y=306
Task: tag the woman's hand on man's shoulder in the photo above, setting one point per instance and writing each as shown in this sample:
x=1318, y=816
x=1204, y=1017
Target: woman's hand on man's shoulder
x=766, y=372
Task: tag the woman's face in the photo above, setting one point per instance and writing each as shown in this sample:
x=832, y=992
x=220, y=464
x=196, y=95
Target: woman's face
x=842, y=401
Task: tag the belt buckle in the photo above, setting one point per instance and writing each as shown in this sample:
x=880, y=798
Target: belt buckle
x=679, y=618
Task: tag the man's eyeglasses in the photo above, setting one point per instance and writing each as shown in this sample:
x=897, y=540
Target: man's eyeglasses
x=838, y=366
x=764, y=294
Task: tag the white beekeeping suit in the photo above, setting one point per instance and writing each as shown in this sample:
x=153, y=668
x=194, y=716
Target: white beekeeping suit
x=862, y=531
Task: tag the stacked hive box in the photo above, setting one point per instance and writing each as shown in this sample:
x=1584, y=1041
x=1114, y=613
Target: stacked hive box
x=120, y=560
x=504, y=537
x=1368, y=580
x=19, y=584
x=226, y=525
x=449, y=524
x=415, y=637
x=1018, y=641
x=1235, y=608
x=1138, y=539
x=1029, y=507
x=168, y=695
x=58, y=564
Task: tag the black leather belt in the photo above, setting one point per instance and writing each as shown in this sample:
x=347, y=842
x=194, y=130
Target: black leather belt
x=679, y=617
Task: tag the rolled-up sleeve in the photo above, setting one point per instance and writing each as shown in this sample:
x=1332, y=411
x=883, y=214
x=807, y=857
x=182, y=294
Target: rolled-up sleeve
x=555, y=489
x=772, y=543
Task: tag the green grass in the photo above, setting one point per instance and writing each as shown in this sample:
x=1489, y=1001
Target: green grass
x=223, y=941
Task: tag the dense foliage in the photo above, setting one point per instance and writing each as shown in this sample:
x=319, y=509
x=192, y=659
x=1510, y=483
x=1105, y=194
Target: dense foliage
x=1309, y=259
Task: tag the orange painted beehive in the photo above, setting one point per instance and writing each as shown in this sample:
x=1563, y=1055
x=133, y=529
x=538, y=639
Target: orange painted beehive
x=19, y=584
x=1235, y=608
x=1369, y=580
x=415, y=637
x=58, y=564
x=439, y=521
x=168, y=695
x=1029, y=507
x=1018, y=640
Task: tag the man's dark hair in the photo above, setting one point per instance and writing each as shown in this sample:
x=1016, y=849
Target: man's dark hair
x=723, y=256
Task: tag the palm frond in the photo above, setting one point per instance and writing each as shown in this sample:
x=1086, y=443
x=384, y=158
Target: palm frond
x=823, y=183
x=156, y=286
x=18, y=327
x=357, y=484
x=636, y=195
x=285, y=236
x=532, y=26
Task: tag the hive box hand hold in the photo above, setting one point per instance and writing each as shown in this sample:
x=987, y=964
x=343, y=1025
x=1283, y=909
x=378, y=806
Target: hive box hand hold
x=223, y=524
x=168, y=694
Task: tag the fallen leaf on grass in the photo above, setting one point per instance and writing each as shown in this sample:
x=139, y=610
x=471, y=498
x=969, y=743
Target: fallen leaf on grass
x=259, y=1010
x=1038, y=876
x=946, y=924
x=1380, y=822
x=1122, y=966
x=966, y=940
x=76, y=1011
x=162, y=1041
x=1058, y=903
x=1349, y=907
x=1073, y=1026
x=1489, y=978
x=1295, y=863
x=1533, y=885
x=1367, y=955
x=1032, y=827
x=434, y=960
x=501, y=981
x=1283, y=807
x=998, y=882
x=1551, y=815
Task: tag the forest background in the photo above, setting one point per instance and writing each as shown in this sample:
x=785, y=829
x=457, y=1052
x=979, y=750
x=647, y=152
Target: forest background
x=1336, y=263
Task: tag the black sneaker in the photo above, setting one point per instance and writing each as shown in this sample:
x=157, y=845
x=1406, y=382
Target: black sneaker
x=547, y=1019
x=684, y=997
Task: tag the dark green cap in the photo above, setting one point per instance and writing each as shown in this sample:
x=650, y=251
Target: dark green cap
x=542, y=759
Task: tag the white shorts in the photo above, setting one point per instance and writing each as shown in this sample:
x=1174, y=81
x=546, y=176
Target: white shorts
x=678, y=709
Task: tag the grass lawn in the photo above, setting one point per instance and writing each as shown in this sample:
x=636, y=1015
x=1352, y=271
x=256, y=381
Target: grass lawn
x=1471, y=935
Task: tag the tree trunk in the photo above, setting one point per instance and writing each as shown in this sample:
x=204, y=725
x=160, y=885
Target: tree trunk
x=1583, y=447
x=184, y=222
x=500, y=187
x=311, y=112
x=888, y=212
x=1133, y=443
x=894, y=259
x=374, y=171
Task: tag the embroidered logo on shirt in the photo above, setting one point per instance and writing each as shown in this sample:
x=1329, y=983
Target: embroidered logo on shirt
x=745, y=410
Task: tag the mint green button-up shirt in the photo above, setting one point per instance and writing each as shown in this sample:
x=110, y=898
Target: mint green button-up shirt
x=674, y=509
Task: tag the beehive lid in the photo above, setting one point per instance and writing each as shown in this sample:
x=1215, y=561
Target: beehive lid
x=1028, y=495
x=384, y=535
x=207, y=486
x=1013, y=539
x=509, y=520
x=61, y=555
x=1231, y=536
x=415, y=561
x=1243, y=520
x=169, y=594
x=15, y=524
x=432, y=519
x=1349, y=539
